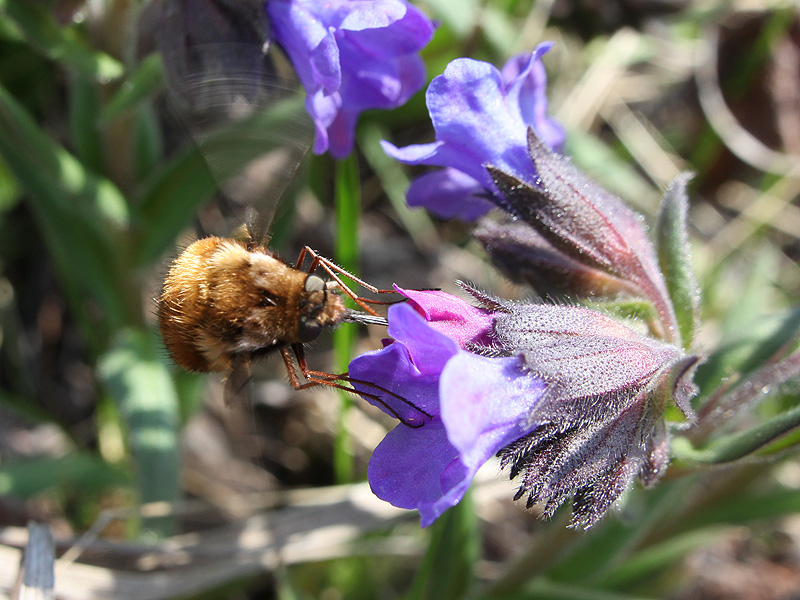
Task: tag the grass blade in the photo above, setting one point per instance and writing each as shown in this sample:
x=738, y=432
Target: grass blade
x=141, y=384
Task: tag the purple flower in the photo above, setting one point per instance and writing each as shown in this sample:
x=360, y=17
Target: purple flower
x=465, y=324
x=477, y=405
x=570, y=399
x=351, y=56
x=480, y=115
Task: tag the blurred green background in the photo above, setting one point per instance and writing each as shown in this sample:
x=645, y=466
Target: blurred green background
x=99, y=184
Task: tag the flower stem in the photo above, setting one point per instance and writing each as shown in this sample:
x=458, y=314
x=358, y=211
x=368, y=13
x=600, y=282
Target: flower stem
x=348, y=209
x=738, y=445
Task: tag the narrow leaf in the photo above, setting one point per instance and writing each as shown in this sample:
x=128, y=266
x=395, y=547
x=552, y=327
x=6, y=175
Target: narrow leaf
x=448, y=569
x=648, y=562
x=765, y=381
x=140, y=383
x=146, y=80
x=395, y=183
x=61, y=44
x=736, y=446
x=148, y=142
x=673, y=256
x=542, y=589
x=84, y=131
x=78, y=212
x=78, y=471
x=172, y=195
x=750, y=350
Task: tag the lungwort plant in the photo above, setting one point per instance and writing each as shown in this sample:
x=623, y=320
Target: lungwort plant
x=644, y=411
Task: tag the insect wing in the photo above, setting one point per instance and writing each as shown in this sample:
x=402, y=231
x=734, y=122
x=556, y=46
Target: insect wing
x=239, y=100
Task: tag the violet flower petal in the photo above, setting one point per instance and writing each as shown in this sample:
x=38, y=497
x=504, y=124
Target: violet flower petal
x=480, y=117
x=531, y=78
x=488, y=402
x=406, y=467
x=452, y=316
x=485, y=404
x=409, y=367
x=449, y=194
x=351, y=56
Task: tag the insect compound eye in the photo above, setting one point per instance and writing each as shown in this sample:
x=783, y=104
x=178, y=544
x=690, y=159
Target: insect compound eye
x=308, y=330
x=314, y=284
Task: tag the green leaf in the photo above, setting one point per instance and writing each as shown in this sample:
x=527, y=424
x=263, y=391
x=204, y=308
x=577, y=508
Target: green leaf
x=395, y=183
x=646, y=562
x=461, y=17
x=748, y=505
x=148, y=142
x=747, y=393
x=753, y=294
x=500, y=28
x=541, y=589
x=84, y=130
x=144, y=82
x=61, y=44
x=170, y=199
x=448, y=569
x=136, y=374
x=171, y=196
x=612, y=541
x=756, y=344
x=9, y=191
x=672, y=241
x=79, y=213
x=79, y=471
x=766, y=381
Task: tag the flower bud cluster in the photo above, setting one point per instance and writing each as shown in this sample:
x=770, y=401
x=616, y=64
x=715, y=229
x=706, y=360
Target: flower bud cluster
x=575, y=235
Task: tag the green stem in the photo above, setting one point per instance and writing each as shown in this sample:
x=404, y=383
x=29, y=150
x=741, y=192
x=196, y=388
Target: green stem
x=348, y=210
x=738, y=445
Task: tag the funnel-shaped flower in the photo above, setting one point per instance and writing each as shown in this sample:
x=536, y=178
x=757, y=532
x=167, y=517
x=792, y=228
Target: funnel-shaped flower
x=572, y=400
x=477, y=404
x=480, y=115
x=351, y=56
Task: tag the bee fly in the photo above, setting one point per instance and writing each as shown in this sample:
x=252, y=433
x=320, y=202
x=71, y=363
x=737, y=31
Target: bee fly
x=226, y=301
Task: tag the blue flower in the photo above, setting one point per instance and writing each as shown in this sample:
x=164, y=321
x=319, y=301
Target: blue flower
x=476, y=406
x=481, y=116
x=351, y=56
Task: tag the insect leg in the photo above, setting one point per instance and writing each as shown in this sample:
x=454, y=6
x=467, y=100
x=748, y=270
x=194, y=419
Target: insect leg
x=288, y=360
x=315, y=378
x=330, y=267
x=333, y=270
